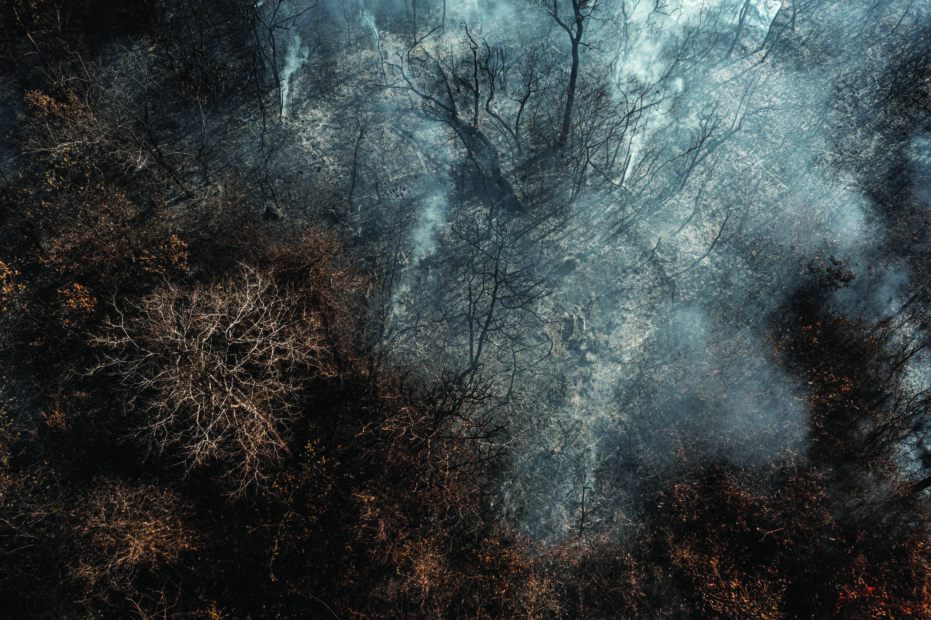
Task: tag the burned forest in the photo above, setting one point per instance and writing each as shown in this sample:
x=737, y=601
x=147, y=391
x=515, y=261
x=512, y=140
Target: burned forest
x=483, y=309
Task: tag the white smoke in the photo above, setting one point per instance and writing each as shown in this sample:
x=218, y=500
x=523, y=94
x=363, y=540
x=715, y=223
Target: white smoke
x=665, y=329
x=369, y=21
x=424, y=236
x=920, y=159
x=422, y=245
x=297, y=55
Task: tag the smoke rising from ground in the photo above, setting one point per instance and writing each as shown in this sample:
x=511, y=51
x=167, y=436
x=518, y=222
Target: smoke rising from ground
x=706, y=169
x=296, y=57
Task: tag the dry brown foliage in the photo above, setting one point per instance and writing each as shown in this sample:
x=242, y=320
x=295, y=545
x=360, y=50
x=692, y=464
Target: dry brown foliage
x=214, y=374
x=124, y=529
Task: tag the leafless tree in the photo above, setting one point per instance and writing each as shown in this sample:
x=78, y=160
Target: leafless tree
x=457, y=91
x=213, y=374
x=574, y=25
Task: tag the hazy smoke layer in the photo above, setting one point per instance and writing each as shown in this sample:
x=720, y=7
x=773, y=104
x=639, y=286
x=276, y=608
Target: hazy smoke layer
x=615, y=287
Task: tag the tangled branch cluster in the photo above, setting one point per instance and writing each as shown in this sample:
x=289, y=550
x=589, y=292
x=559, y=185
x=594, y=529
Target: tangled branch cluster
x=214, y=373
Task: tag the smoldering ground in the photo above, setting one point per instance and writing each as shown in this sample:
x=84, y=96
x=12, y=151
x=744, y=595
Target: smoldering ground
x=708, y=166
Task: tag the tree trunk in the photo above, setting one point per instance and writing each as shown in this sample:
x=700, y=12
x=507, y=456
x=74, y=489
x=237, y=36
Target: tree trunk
x=575, y=37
